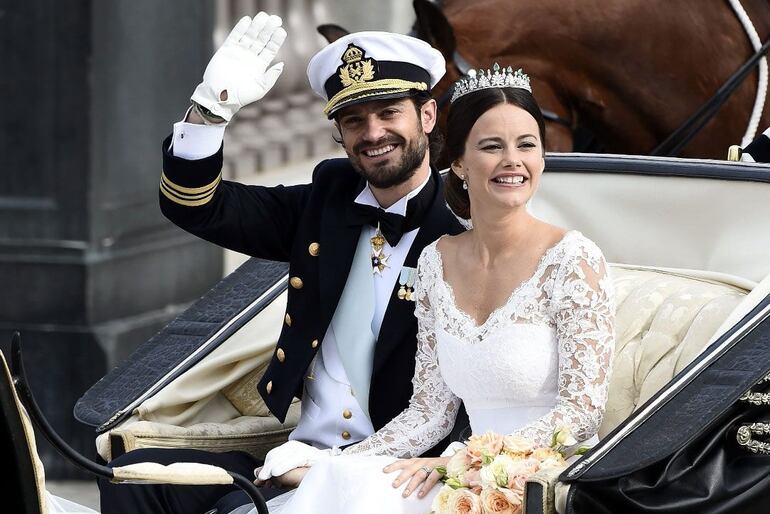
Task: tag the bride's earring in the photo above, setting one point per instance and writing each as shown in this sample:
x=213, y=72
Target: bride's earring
x=465, y=184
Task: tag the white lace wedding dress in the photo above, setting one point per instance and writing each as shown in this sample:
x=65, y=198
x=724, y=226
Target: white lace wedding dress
x=540, y=361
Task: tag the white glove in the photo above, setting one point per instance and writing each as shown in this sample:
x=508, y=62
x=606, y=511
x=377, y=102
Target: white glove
x=238, y=73
x=290, y=455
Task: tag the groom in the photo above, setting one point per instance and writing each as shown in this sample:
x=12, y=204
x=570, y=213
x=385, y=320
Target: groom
x=352, y=239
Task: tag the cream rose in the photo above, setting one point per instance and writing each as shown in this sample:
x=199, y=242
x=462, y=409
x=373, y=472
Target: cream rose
x=458, y=464
x=517, y=444
x=441, y=502
x=494, y=501
x=463, y=501
x=563, y=436
x=542, y=454
x=496, y=472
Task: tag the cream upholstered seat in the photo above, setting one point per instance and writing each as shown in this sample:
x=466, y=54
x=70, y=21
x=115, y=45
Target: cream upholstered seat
x=663, y=321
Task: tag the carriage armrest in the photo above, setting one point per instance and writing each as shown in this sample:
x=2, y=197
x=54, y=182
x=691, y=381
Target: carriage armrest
x=253, y=434
x=179, y=473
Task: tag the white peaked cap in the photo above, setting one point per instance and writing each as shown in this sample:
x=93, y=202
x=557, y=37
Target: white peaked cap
x=366, y=66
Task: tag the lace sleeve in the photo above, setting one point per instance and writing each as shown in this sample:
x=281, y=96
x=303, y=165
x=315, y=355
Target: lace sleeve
x=433, y=407
x=584, y=312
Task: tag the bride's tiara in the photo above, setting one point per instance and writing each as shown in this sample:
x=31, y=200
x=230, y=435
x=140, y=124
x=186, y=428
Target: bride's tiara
x=495, y=77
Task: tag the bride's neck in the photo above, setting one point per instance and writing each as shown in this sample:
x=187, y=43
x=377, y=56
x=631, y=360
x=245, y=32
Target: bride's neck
x=497, y=236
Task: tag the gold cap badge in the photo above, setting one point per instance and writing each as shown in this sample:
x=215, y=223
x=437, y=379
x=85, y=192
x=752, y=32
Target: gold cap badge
x=357, y=69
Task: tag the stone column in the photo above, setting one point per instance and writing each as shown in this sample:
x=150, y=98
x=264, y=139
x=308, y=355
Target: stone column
x=89, y=267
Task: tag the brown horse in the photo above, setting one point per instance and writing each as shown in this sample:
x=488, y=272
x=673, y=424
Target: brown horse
x=629, y=72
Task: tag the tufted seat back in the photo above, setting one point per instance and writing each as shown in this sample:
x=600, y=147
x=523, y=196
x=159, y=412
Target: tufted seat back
x=664, y=319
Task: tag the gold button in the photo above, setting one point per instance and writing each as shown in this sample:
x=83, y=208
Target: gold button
x=314, y=344
x=347, y=414
x=296, y=282
x=314, y=249
x=269, y=387
x=287, y=319
x=281, y=355
x=346, y=435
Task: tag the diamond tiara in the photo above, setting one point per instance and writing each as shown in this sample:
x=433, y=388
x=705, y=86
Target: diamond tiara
x=495, y=77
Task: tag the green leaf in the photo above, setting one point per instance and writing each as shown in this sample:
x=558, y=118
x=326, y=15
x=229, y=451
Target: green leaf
x=582, y=450
x=441, y=470
x=454, y=483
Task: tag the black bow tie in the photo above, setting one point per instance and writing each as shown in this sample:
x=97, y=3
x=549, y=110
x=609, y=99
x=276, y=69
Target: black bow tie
x=393, y=225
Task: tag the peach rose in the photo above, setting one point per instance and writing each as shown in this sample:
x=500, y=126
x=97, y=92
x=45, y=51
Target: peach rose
x=472, y=478
x=516, y=484
x=494, y=501
x=464, y=501
x=483, y=446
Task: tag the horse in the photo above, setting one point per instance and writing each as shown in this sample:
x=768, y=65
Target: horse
x=627, y=73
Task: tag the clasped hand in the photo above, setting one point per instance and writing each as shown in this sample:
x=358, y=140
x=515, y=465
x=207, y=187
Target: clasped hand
x=287, y=464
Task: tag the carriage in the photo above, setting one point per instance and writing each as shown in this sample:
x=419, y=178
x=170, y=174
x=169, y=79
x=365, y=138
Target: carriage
x=689, y=245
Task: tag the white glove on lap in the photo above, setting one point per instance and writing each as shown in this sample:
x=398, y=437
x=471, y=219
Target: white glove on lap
x=240, y=67
x=290, y=455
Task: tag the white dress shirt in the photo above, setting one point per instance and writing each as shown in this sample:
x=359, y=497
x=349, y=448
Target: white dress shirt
x=331, y=416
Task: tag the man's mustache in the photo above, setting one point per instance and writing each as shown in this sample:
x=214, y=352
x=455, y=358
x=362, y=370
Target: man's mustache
x=390, y=140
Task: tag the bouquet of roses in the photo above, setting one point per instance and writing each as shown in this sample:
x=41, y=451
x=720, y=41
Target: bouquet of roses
x=488, y=475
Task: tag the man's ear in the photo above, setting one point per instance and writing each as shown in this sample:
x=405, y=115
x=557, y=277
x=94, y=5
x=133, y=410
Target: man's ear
x=428, y=114
x=338, y=136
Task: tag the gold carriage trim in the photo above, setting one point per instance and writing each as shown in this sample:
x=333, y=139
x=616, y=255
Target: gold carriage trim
x=188, y=196
x=375, y=87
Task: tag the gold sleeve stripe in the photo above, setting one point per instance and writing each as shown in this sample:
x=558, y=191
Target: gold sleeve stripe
x=376, y=86
x=190, y=190
x=185, y=196
x=174, y=197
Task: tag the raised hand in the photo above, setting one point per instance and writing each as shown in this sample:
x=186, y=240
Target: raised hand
x=238, y=73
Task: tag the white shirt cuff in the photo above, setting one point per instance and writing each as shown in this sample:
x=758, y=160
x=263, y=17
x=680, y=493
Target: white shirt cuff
x=192, y=141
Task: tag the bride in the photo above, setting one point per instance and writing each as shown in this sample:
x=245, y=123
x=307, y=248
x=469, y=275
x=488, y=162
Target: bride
x=515, y=317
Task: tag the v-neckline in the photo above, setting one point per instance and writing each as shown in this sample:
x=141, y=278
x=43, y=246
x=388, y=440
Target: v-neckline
x=453, y=299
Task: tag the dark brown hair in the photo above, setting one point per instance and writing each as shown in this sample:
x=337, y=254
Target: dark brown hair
x=462, y=116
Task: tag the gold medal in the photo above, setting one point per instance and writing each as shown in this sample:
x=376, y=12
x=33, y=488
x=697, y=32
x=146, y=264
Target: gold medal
x=379, y=258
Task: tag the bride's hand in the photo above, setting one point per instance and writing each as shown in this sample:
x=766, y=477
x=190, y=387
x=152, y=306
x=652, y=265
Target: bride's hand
x=415, y=472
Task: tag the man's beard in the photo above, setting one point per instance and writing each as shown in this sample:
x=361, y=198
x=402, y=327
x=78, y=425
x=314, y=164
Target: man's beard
x=387, y=175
